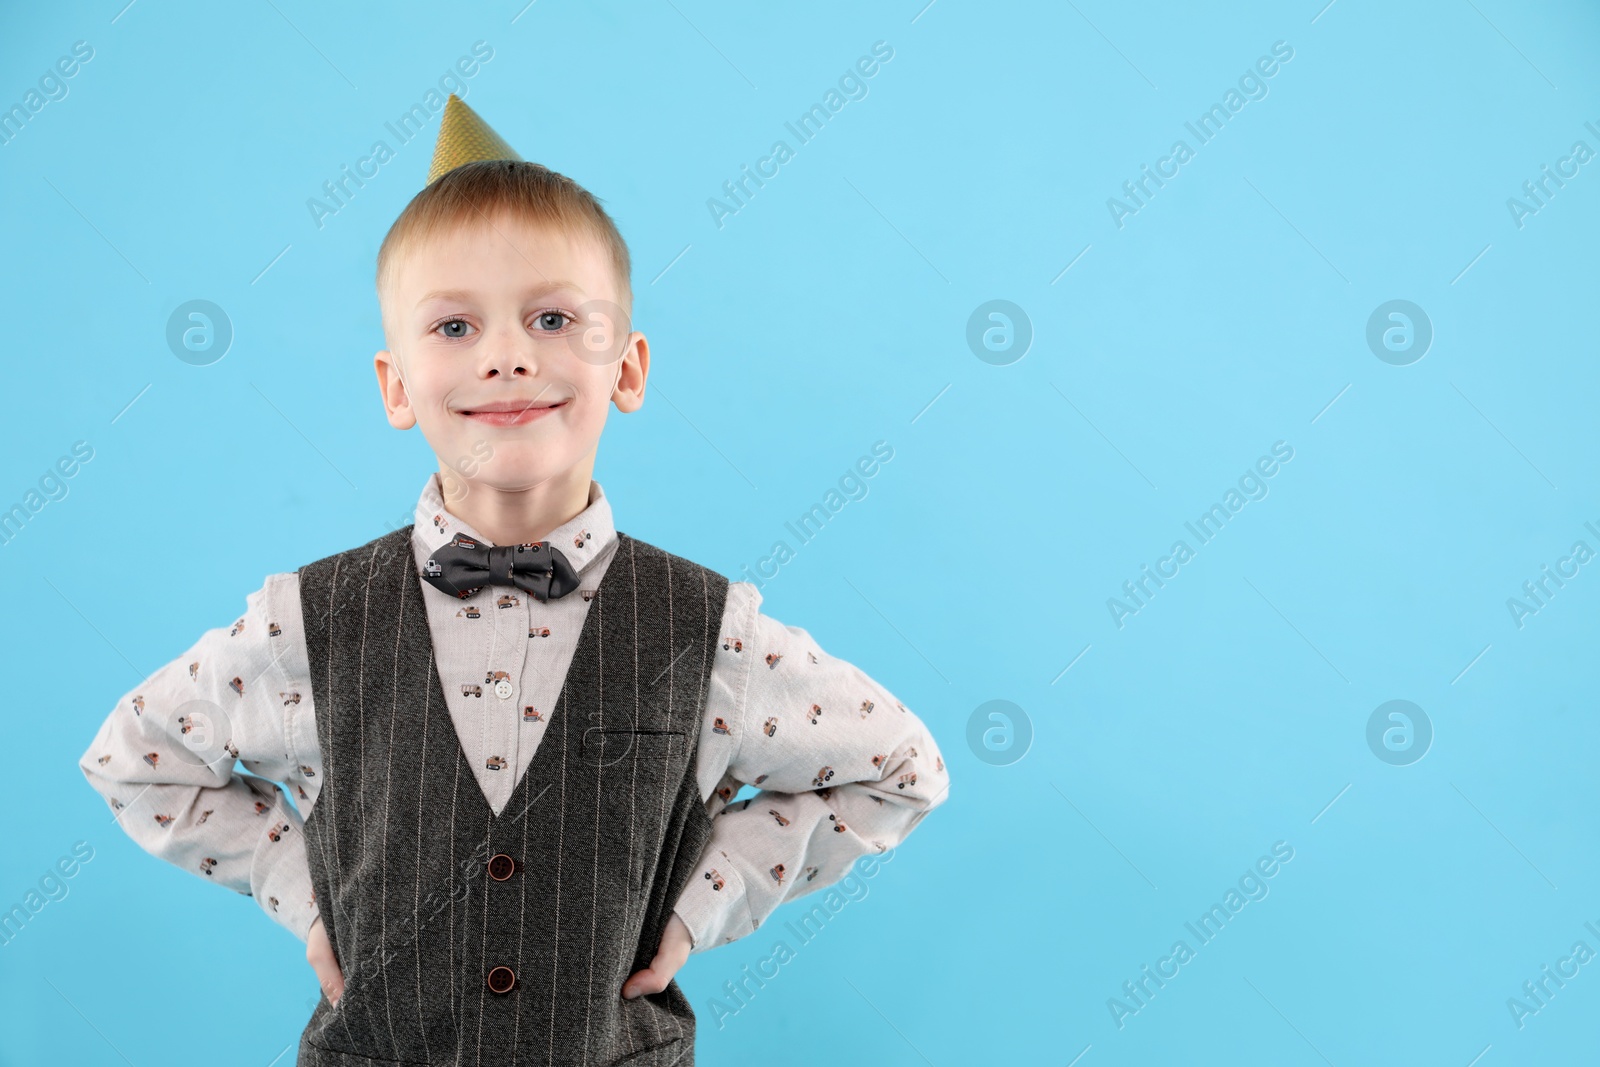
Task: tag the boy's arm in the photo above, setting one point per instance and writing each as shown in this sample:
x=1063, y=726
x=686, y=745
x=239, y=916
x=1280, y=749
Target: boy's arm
x=163, y=759
x=837, y=783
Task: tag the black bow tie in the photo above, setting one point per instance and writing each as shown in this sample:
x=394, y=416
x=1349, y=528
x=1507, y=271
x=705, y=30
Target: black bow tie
x=464, y=566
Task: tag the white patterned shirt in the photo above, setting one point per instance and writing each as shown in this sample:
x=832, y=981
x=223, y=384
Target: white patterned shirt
x=843, y=768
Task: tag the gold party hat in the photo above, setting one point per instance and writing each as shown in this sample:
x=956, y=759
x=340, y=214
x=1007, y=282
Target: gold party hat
x=465, y=138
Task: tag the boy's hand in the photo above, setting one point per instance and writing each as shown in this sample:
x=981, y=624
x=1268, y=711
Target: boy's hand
x=319, y=953
x=673, y=950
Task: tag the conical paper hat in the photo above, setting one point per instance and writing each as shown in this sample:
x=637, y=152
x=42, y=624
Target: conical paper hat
x=465, y=138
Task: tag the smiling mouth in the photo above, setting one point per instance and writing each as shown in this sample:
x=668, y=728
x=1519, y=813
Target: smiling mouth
x=513, y=417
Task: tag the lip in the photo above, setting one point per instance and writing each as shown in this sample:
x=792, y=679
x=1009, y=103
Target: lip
x=510, y=413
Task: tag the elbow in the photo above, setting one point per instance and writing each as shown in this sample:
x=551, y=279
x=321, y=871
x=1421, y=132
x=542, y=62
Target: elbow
x=99, y=754
x=919, y=784
x=92, y=769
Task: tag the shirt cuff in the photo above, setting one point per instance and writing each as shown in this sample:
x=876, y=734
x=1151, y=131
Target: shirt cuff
x=714, y=906
x=285, y=892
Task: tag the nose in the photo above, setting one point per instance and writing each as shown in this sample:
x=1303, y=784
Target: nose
x=508, y=352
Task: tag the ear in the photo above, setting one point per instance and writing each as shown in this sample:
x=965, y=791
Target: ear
x=629, y=392
x=396, y=404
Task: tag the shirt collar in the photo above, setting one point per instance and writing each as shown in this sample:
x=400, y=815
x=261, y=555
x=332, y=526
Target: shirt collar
x=582, y=538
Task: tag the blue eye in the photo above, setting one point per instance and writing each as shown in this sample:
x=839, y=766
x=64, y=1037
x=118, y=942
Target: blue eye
x=446, y=328
x=545, y=316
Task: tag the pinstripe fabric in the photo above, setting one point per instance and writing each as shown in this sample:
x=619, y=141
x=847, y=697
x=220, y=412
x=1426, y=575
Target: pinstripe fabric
x=606, y=826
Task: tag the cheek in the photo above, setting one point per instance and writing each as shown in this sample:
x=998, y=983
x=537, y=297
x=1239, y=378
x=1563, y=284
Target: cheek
x=597, y=396
x=428, y=393
x=592, y=417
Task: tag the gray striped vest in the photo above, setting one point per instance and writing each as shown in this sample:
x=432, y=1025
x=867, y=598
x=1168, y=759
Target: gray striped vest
x=467, y=937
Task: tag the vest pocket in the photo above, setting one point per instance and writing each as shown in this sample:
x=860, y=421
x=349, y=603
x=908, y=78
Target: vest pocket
x=603, y=747
x=639, y=774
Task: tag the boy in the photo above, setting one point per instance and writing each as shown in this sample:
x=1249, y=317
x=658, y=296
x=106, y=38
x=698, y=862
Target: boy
x=515, y=729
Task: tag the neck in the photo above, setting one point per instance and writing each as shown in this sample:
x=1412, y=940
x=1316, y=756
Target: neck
x=517, y=515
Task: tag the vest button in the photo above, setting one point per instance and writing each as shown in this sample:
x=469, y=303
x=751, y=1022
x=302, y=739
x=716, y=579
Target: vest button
x=501, y=979
x=501, y=866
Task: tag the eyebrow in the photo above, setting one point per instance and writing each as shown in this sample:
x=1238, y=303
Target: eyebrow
x=463, y=294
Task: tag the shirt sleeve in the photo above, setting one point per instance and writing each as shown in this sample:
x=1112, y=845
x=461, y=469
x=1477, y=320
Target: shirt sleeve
x=845, y=769
x=164, y=757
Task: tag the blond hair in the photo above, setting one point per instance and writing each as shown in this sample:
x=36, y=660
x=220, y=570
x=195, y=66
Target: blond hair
x=527, y=192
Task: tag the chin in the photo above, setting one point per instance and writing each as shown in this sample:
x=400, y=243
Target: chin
x=520, y=468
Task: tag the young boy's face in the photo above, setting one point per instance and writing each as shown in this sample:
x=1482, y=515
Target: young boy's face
x=507, y=346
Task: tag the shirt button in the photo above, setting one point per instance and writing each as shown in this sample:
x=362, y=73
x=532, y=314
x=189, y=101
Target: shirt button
x=502, y=689
x=501, y=979
x=501, y=866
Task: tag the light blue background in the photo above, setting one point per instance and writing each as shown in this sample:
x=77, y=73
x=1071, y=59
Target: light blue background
x=829, y=313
